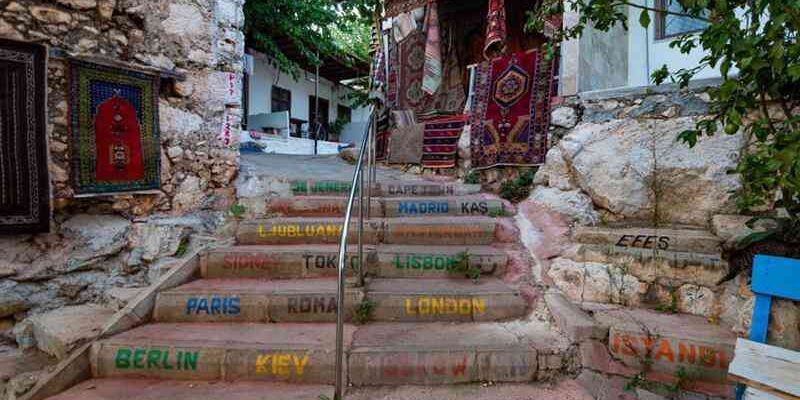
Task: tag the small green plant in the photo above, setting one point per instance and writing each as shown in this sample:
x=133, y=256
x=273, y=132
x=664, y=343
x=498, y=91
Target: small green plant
x=499, y=212
x=323, y=397
x=463, y=266
x=362, y=313
x=518, y=189
x=672, y=307
x=237, y=210
x=183, y=247
x=472, y=178
x=635, y=382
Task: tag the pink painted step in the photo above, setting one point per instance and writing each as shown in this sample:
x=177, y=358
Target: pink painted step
x=313, y=187
x=153, y=389
x=336, y=206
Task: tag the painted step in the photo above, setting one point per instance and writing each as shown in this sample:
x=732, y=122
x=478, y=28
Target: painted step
x=321, y=206
x=384, y=188
x=677, y=240
x=278, y=262
x=315, y=261
x=331, y=206
x=435, y=207
x=428, y=300
x=296, y=353
x=665, y=342
x=446, y=353
x=151, y=389
x=428, y=231
x=303, y=231
x=398, y=261
x=440, y=231
x=251, y=300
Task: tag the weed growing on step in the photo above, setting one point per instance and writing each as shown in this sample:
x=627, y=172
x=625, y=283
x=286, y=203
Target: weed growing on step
x=672, y=307
x=183, y=247
x=362, y=313
x=499, y=213
x=237, y=211
x=463, y=266
x=472, y=178
x=323, y=397
x=519, y=188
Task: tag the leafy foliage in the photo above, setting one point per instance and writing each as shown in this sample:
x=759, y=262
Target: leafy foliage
x=754, y=44
x=333, y=28
x=518, y=189
x=362, y=313
x=469, y=270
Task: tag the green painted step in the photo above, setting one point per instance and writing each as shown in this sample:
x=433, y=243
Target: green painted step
x=384, y=261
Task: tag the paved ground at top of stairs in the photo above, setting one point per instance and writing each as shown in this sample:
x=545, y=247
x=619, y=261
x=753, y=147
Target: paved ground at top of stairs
x=327, y=167
x=112, y=389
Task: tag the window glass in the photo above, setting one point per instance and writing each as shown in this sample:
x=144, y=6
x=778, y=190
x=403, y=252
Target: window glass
x=669, y=25
x=281, y=99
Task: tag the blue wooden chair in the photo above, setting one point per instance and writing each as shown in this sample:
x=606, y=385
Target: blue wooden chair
x=772, y=277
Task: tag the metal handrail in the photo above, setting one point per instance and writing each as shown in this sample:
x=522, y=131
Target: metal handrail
x=367, y=144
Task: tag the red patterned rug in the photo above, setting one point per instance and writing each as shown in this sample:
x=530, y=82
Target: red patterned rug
x=440, y=141
x=510, y=114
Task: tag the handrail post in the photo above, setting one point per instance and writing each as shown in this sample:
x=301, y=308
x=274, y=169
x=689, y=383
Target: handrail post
x=342, y=261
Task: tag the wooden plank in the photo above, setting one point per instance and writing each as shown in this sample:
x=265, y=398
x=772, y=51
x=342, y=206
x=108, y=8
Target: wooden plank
x=767, y=368
x=776, y=276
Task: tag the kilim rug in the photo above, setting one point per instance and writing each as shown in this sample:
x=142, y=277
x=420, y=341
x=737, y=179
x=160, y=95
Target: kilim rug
x=510, y=114
x=24, y=179
x=496, y=30
x=405, y=144
x=382, y=138
x=114, y=129
x=440, y=142
x=410, y=95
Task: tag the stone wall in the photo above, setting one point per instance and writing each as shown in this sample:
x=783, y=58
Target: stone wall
x=100, y=247
x=623, y=213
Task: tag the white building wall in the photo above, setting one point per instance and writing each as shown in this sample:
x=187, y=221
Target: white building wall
x=265, y=76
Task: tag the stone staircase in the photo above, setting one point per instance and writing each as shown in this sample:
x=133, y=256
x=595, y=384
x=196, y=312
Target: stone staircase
x=263, y=311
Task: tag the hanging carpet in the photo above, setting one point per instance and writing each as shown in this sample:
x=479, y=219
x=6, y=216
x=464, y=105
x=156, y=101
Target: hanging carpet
x=440, y=143
x=24, y=179
x=510, y=113
x=496, y=31
x=382, y=138
x=406, y=144
x=114, y=129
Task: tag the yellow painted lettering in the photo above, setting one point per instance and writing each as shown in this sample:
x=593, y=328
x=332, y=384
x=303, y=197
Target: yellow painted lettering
x=300, y=364
x=464, y=307
x=261, y=364
x=479, y=306
x=261, y=231
x=437, y=306
x=409, y=309
x=451, y=305
x=424, y=305
x=282, y=362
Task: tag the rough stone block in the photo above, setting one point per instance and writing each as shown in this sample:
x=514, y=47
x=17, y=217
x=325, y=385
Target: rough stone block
x=576, y=324
x=59, y=331
x=595, y=356
x=11, y=303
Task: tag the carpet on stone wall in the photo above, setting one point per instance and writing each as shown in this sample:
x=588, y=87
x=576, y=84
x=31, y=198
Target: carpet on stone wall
x=405, y=144
x=24, y=178
x=440, y=142
x=114, y=129
x=510, y=112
